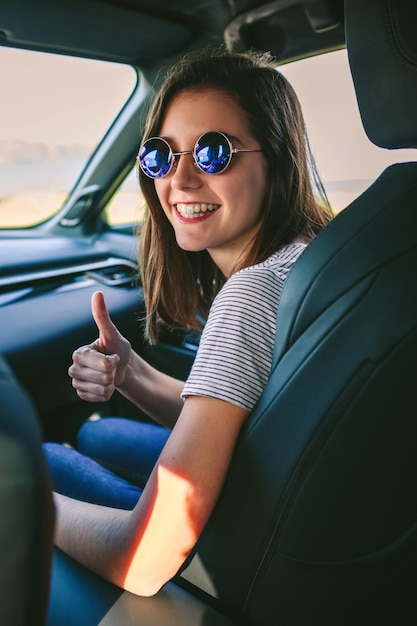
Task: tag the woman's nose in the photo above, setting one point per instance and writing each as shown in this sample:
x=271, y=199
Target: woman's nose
x=185, y=172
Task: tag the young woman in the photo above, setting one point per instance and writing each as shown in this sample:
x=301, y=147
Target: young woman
x=231, y=191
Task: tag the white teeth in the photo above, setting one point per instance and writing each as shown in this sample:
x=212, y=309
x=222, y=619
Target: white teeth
x=195, y=210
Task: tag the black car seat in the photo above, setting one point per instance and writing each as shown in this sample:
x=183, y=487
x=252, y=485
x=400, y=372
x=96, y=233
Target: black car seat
x=317, y=522
x=26, y=511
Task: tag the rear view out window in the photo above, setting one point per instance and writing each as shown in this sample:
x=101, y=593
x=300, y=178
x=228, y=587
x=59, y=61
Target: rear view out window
x=53, y=112
x=347, y=161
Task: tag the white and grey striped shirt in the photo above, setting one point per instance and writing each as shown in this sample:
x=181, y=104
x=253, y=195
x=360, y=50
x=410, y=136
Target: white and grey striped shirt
x=235, y=353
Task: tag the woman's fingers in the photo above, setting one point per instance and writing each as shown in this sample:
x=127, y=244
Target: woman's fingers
x=93, y=374
x=89, y=358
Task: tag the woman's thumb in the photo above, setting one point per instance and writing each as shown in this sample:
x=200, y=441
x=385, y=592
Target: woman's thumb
x=108, y=331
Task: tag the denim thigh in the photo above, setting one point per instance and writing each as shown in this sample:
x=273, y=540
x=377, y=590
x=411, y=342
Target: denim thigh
x=127, y=447
x=114, y=459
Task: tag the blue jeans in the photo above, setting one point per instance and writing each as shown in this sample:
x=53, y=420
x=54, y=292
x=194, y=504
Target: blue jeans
x=112, y=462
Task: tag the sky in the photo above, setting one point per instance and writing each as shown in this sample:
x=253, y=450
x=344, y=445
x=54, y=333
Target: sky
x=40, y=93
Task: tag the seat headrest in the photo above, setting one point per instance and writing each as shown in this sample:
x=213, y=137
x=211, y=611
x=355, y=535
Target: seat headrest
x=381, y=37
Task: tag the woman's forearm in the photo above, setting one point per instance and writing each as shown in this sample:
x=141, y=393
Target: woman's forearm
x=92, y=535
x=154, y=392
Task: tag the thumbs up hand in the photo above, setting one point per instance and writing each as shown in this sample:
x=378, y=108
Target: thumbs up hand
x=98, y=368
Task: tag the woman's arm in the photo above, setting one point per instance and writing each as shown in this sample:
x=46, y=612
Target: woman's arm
x=109, y=363
x=156, y=393
x=141, y=550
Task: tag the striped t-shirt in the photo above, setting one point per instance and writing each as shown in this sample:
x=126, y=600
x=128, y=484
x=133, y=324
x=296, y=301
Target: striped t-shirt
x=234, y=358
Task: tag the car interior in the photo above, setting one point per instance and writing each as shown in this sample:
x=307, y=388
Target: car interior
x=317, y=520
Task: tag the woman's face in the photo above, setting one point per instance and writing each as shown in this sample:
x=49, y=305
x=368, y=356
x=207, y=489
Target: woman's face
x=220, y=213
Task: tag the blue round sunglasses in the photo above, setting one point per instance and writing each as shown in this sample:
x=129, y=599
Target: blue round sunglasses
x=212, y=154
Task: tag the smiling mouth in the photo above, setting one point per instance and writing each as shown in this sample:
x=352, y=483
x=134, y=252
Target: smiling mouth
x=196, y=210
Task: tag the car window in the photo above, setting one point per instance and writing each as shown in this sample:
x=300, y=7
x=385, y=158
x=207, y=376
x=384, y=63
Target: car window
x=127, y=204
x=347, y=161
x=53, y=112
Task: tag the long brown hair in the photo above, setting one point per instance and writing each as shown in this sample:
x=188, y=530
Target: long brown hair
x=178, y=284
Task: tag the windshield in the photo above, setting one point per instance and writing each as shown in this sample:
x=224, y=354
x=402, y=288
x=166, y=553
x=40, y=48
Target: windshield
x=53, y=112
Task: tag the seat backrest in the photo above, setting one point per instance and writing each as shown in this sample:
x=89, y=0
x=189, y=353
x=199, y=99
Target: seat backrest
x=317, y=522
x=26, y=511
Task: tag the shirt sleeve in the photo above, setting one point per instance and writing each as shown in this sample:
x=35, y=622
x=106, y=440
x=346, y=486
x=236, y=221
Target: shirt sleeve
x=234, y=358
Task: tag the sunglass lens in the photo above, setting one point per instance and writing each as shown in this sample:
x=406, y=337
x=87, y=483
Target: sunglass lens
x=212, y=153
x=155, y=158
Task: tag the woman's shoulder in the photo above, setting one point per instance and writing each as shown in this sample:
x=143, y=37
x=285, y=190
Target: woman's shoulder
x=277, y=265
x=263, y=279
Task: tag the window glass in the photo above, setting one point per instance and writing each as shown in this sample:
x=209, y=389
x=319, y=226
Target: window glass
x=347, y=161
x=53, y=112
x=127, y=204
